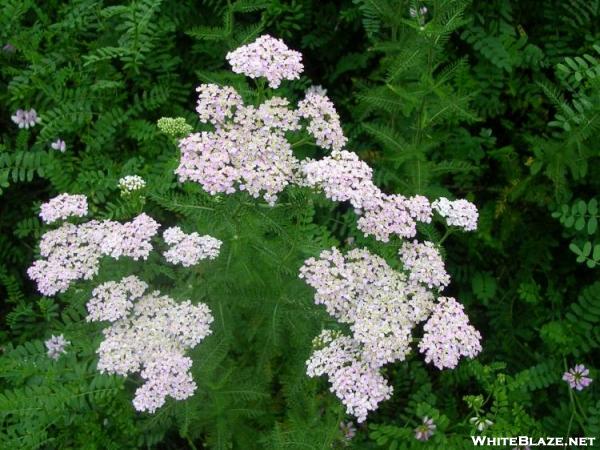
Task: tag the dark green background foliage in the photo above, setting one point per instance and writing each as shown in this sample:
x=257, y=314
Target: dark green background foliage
x=495, y=101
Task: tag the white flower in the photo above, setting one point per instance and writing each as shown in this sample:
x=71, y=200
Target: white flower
x=481, y=423
x=59, y=145
x=189, y=249
x=459, y=213
x=267, y=57
x=131, y=183
x=64, y=206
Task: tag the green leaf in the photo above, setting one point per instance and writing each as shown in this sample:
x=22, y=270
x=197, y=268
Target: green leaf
x=569, y=221
x=592, y=225
x=484, y=286
x=574, y=248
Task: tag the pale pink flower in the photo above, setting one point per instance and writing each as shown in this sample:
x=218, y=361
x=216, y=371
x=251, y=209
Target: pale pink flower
x=323, y=120
x=424, y=431
x=59, y=145
x=25, y=119
x=269, y=58
x=73, y=252
x=189, y=249
x=151, y=338
x=424, y=263
x=348, y=430
x=577, y=377
x=459, y=213
x=63, y=206
x=56, y=346
x=449, y=335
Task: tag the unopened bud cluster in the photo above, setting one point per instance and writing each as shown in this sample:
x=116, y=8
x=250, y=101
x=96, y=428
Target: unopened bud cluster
x=131, y=183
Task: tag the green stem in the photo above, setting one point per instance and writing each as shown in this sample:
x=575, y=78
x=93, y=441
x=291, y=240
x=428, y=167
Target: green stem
x=260, y=87
x=581, y=410
x=445, y=236
x=190, y=442
x=572, y=399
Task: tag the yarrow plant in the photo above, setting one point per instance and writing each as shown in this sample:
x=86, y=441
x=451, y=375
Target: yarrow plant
x=247, y=153
x=250, y=147
x=250, y=150
x=148, y=332
x=424, y=263
x=448, y=335
x=73, y=252
x=458, y=213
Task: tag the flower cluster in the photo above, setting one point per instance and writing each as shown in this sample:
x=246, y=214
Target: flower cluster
x=577, y=377
x=424, y=264
x=189, y=249
x=390, y=215
x=217, y=104
x=424, y=431
x=267, y=57
x=249, y=151
x=59, y=145
x=381, y=306
x=459, y=213
x=73, y=252
x=149, y=336
x=112, y=300
x=448, y=335
x=25, y=119
x=167, y=375
x=344, y=177
x=358, y=385
x=56, y=346
x=174, y=127
x=324, y=122
x=64, y=206
x=131, y=183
